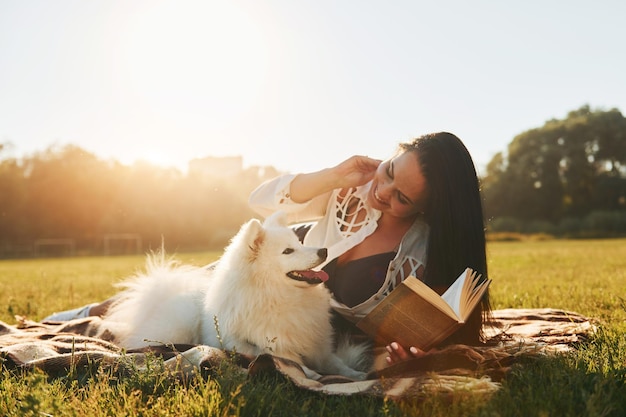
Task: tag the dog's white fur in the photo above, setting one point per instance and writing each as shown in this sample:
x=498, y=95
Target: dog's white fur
x=247, y=303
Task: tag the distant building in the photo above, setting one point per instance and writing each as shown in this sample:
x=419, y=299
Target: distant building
x=216, y=167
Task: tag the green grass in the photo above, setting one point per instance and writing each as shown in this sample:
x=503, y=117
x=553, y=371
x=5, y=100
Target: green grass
x=588, y=277
x=37, y=287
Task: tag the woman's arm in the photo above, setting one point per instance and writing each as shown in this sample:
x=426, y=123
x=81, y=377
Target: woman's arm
x=354, y=171
x=304, y=196
x=275, y=194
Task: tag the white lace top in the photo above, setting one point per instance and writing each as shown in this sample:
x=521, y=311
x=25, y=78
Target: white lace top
x=343, y=220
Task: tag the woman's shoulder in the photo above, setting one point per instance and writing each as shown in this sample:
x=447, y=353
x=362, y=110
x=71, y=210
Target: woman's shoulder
x=415, y=242
x=419, y=229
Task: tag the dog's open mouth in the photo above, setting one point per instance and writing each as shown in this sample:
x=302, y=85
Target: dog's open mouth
x=309, y=276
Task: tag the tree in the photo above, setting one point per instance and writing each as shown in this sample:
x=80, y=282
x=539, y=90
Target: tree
x=12, y=201
x=567, y=167
x=67, y=190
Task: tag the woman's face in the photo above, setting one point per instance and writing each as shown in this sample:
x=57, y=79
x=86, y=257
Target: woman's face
x=399, y=188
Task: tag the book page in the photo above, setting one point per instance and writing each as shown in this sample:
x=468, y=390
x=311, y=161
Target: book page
x=429, y=294
x=453, y=294
x=472, y=293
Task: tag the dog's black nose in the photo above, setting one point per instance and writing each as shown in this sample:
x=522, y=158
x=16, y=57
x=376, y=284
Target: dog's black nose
x=322, y=253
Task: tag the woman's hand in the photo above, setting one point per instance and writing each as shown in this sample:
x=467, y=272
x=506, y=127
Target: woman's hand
x=356, y=170
x=397, y=353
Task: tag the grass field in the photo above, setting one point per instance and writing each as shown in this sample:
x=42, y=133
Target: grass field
x=586, y=276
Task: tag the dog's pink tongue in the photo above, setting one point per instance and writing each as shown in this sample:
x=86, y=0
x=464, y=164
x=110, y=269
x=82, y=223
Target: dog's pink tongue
x=310, y=274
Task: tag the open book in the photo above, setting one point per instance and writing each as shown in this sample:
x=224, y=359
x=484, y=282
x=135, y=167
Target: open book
x=415, y=315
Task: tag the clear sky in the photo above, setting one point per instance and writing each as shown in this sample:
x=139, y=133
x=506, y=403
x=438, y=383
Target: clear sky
x=298, y=84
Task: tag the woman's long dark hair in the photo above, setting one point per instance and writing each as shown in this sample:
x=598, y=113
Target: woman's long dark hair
x=454, y=214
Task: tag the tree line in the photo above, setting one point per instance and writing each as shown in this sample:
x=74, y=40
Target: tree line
x=567, y=178
x=66, y=192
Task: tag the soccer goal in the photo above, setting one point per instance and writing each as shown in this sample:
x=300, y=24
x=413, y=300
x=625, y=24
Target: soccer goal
x=54, y=247
x=122, y=244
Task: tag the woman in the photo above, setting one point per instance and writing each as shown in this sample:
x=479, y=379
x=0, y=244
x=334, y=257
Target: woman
x=418, y=213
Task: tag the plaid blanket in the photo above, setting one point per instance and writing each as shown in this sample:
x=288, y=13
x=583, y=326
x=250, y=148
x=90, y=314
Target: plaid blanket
x=58, y=348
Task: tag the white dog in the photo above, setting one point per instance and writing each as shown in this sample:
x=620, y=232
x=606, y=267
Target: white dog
x=261, y=297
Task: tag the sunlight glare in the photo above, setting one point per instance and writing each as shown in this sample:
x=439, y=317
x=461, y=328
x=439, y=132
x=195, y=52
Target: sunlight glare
x=196, y=62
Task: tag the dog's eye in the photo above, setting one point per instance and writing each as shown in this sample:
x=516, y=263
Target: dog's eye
x=287, y=251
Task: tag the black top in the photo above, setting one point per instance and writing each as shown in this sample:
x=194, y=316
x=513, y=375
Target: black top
x=357, y=280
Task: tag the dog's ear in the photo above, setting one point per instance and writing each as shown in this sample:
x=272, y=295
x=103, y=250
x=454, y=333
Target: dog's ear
x=278, y=218
x=253, y=235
